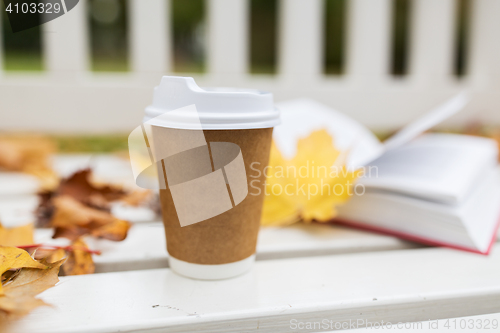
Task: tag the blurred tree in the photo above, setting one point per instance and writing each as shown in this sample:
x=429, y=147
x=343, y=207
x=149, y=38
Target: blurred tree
x=108, y=35
x=108, y=23
x=462, y=37
x=263, y=36
x=401, y=13
x=334, y=36
x=22, y=50
x=188, y=19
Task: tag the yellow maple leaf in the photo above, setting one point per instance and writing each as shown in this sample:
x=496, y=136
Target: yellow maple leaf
x=20, y=289
x=278, y=209
x=17, y=236
x=14, y=258
x=310, y=185
x=79, y=261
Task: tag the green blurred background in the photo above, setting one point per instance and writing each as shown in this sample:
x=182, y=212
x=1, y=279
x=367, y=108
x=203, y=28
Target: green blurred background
x=108, y=29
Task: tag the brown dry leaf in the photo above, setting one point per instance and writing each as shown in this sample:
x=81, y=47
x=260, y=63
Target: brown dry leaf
x=78, y=258
x=20, y=291
x=79, y=208
x=79, y=187
x=79, y=261
x=71, y=233
x=49, y=255
x=9, y=275
x=17, y=152
x=70, y=213
x=97, y=201
x=55, y=256
x=33, y=281
x=82, y=189
x=115, y=231
x=29, y=154
x=72, y=220
x=11, y=157
x=45, y=209
x=15, y=258
x=137, y=197
x=16, y=236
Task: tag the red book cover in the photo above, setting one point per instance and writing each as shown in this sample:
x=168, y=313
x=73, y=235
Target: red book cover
x=417, y=239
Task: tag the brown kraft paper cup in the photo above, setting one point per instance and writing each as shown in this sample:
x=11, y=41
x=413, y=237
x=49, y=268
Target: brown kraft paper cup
x=232, y=235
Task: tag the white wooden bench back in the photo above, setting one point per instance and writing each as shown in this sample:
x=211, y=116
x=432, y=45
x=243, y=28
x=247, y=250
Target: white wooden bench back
x=68, y=97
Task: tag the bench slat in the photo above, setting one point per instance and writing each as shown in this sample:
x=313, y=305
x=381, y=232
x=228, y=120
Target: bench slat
x=417, y=285
x=144, y=247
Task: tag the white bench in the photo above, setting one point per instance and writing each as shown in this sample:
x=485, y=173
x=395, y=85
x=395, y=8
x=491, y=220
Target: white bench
x=144, y=247
x=395, y=286
x=304, y=273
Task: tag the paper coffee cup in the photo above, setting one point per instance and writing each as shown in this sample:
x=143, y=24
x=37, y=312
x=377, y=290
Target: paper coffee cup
x=214, y=145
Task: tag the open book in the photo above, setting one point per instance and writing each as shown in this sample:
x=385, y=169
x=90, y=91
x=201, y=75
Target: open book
x=438, y=189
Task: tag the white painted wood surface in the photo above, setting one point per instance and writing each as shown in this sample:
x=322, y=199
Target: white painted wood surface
x=300, y=43
x=17, y=183
x=16, y=210
x=144, y=247
x=470, y=324
x=485, y=44
x=227, y=36
x=78, y=100
x=392, y=286
x=64, y=44
x=150, y=44
x=304, y=272
x=431, y=51
x=369, y=34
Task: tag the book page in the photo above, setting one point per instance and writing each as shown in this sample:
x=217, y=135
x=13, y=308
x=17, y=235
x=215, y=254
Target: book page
x=426, y=122
x=440, y=167
x=300, y=117
x=471, y=224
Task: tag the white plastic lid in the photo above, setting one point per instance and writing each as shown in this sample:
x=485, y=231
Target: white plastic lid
x=218, y=108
